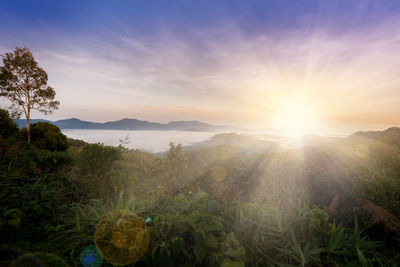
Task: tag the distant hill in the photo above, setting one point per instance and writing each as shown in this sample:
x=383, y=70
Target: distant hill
x=255, y=143
x=247, y=143
x=132, y=124
x=22, y=123
x=296, y=141
x=390, y=136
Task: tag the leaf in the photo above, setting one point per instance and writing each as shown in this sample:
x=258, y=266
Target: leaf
x=335, y=238
x=15, y=222
x=162, y=260
x=357, y=234
x=362, y=259
x=201, y=195
x=211, y=241
x=78, y=224
x=154, y=252
x=14, y=213
x=199, y=255
x=232, y=263
x=177, y=246
x=317, y=251
x=235, y=253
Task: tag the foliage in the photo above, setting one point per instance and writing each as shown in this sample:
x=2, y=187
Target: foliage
x=122, y=237
x=96, y=163
x=47, y=136
x=26, y=201
x=301, y=236
x=190, y=230
x=213, y=206
x=41, y=259
x=8, y=127
x=9, y=134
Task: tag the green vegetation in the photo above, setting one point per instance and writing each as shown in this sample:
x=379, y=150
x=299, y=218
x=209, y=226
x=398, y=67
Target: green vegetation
x=40, y=259
x=47, y=136
x=222, y=205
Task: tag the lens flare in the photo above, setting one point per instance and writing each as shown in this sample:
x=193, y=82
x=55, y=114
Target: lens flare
x=122, y=237
x=90, y=257
x=148, y=220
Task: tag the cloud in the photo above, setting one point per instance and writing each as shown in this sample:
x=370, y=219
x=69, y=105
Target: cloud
x=209, y=71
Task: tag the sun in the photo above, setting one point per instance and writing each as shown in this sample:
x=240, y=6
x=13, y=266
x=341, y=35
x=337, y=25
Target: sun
x=295, y=117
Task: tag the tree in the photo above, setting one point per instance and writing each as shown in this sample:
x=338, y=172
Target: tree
x=24, y=84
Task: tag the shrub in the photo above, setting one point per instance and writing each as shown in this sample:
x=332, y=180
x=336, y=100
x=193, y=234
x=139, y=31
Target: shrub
x=47, y=136
x=39, y=259
x=7, y=125
x=96, y=162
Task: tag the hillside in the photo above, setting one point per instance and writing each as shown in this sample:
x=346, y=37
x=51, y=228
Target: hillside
x=249, y=144
x=389, y=136
x=233, y=196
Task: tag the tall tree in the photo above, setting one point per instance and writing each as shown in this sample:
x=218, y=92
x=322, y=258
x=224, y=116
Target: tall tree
x=24, y=84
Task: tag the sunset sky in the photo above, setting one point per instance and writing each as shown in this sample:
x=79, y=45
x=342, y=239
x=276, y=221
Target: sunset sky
x=250, y=63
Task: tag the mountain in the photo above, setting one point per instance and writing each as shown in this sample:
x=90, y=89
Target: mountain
x=76, y=124
x=248, y=144
x=133, y=124
x=22, y=123
x=296, y=141
x=390, y=136
x=198, y=126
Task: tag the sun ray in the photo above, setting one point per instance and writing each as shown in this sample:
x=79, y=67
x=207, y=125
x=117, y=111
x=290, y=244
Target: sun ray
x=295, y=117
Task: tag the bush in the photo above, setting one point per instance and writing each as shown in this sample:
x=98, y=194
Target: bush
x=9, y=134
x=96, y=163
x=7, y=125
x=47, y=136
x=40, y=259
x=189, y=231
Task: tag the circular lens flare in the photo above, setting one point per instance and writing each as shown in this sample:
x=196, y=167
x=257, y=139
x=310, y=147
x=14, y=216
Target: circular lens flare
x=90, y=257
x=122, y=237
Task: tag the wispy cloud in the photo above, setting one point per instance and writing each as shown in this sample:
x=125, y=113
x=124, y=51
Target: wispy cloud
x=208, y=71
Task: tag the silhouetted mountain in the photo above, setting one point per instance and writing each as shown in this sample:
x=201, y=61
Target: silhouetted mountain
x=187, y=124
x=76, y=124
x=133, y=124
x=198, y=126
x=22, y=123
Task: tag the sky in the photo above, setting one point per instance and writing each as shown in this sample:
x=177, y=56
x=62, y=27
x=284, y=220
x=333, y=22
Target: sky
x=313, y=64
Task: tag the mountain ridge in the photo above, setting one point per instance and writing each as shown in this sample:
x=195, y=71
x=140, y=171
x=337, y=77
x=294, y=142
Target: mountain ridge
x=246, y=143
x=390, y=135
x=131, y=124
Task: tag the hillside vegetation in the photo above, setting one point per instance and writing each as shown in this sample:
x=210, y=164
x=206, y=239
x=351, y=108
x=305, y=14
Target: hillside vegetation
x=217, y=204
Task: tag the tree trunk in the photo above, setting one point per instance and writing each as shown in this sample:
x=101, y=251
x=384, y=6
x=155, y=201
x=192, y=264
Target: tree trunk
x=28, y=129
x=28, y=123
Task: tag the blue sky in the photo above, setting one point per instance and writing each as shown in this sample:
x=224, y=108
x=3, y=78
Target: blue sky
x=235, y=62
